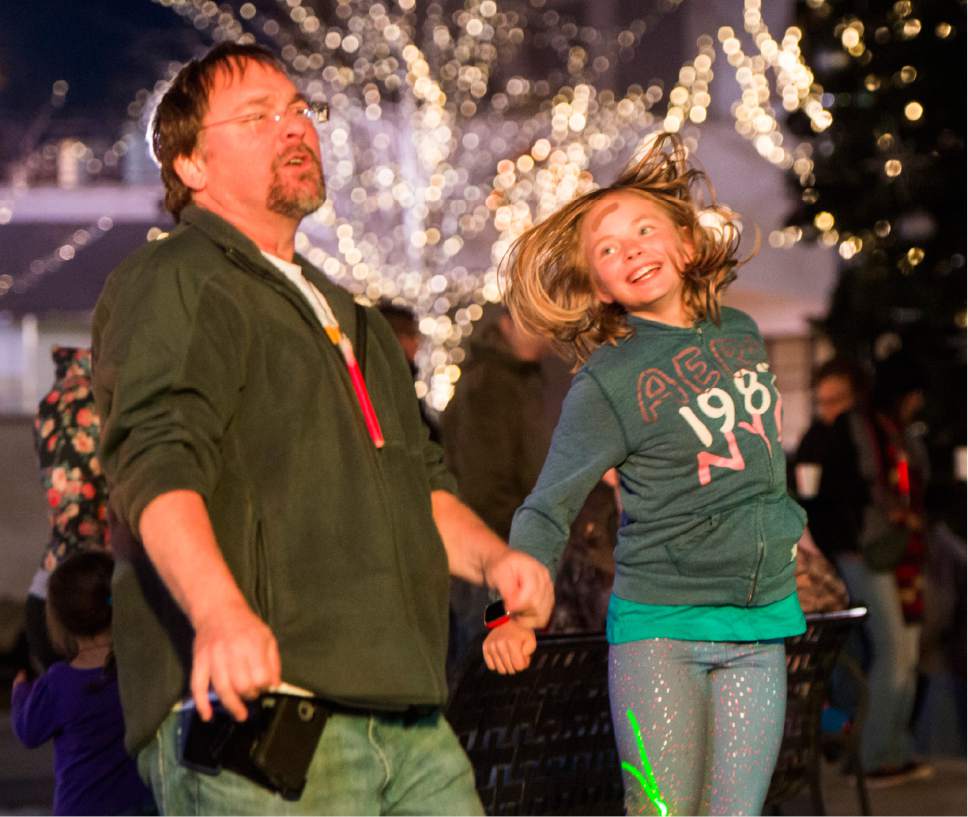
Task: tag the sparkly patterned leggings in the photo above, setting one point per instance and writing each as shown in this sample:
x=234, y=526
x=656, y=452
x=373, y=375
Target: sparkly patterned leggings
x=698, y=723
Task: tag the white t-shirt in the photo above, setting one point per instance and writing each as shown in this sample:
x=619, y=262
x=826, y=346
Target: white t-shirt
x=313, y=296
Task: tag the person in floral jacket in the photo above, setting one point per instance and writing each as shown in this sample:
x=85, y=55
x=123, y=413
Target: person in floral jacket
x=66, y=433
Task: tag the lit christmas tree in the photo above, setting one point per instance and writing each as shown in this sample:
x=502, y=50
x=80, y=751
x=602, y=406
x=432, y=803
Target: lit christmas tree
x=887, y=187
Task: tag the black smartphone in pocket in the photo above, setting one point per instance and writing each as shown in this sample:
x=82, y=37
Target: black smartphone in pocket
x=273, y=747
x=201, y=743
x=291, y=729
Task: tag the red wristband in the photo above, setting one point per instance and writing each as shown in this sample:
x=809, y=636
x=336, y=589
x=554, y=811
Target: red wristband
x=496, y=614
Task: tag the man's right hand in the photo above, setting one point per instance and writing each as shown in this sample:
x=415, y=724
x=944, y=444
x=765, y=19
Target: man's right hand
x=524, y=584
x=237, y=655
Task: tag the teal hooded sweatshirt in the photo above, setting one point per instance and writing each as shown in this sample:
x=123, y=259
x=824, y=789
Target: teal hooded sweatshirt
x=691, y=418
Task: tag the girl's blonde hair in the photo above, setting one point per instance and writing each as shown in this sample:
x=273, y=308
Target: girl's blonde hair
x=549, y=287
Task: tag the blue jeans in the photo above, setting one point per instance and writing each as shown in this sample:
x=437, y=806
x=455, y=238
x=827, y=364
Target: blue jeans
x=363, y=765
x=697, y=723
x=893, y=673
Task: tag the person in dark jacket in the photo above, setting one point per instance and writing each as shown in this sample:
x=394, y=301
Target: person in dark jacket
x=281, y=516
x=829, y=482
x=404, y=324
x=496, y=433
x=864, y=512
x=497, y=429
x=66, y=434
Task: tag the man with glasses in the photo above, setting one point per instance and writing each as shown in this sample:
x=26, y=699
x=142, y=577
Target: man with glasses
x=282, y=520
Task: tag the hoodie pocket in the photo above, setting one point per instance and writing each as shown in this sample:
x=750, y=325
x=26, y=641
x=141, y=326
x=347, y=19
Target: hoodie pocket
x=716, y=545
x=783, y=521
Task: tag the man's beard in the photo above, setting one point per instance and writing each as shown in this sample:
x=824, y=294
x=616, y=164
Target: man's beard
x=302, y=200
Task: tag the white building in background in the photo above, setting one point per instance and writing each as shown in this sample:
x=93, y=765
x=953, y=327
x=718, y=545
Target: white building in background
x=41, y=232
x=783, y=289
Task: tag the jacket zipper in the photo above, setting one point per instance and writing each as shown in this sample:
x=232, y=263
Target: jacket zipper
x=760, y=548
x=406, y=586
x=769, y=453
x=305, y=310
x=372, y=452
x=760, y=552
x=761, y=545
x=295, y=298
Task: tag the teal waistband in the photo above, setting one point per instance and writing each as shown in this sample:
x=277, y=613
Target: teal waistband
x=633, y=621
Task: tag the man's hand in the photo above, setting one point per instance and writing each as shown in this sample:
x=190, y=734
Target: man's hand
x=508, y=648
x=19, y=678
x=524, y=584
x=237, y=654
x=234, y=650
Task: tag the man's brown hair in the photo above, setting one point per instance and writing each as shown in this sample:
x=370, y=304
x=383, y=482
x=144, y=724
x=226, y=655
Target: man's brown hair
x=177, y=121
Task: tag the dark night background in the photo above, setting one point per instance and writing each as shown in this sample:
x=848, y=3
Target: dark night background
x=107, y=49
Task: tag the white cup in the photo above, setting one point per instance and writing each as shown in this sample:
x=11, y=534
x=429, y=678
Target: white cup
x=961, y=463
x=808, y=479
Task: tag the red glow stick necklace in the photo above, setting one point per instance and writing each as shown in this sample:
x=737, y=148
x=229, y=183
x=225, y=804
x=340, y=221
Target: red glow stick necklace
x=341, y=342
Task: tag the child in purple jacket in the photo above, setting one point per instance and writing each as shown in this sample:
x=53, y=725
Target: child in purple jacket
x=76, y=702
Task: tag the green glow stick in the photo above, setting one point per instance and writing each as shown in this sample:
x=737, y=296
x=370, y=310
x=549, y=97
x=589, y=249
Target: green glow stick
x=646, y=781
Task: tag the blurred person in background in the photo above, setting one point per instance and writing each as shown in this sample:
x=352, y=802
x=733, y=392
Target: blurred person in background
x=889, y=572
x=496, y=434
x=75, y=702
x=404, y=324
x=829, y=484
x=66, y=430
x=867, y=513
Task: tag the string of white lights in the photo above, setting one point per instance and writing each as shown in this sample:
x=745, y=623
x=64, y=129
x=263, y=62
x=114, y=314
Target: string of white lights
x=418, y=129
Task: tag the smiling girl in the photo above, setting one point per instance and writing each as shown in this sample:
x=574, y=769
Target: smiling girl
x=675, y=392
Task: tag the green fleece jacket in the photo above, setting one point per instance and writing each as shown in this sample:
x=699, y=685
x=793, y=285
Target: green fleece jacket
x=212, y=374
x=691, y=418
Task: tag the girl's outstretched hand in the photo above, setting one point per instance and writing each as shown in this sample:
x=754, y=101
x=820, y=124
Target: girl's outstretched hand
x=508, y=648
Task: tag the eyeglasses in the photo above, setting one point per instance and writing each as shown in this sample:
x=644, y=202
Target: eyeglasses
x=315, y=112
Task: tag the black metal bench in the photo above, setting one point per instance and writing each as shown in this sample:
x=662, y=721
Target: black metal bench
x=810, y=661
x=541, y=741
